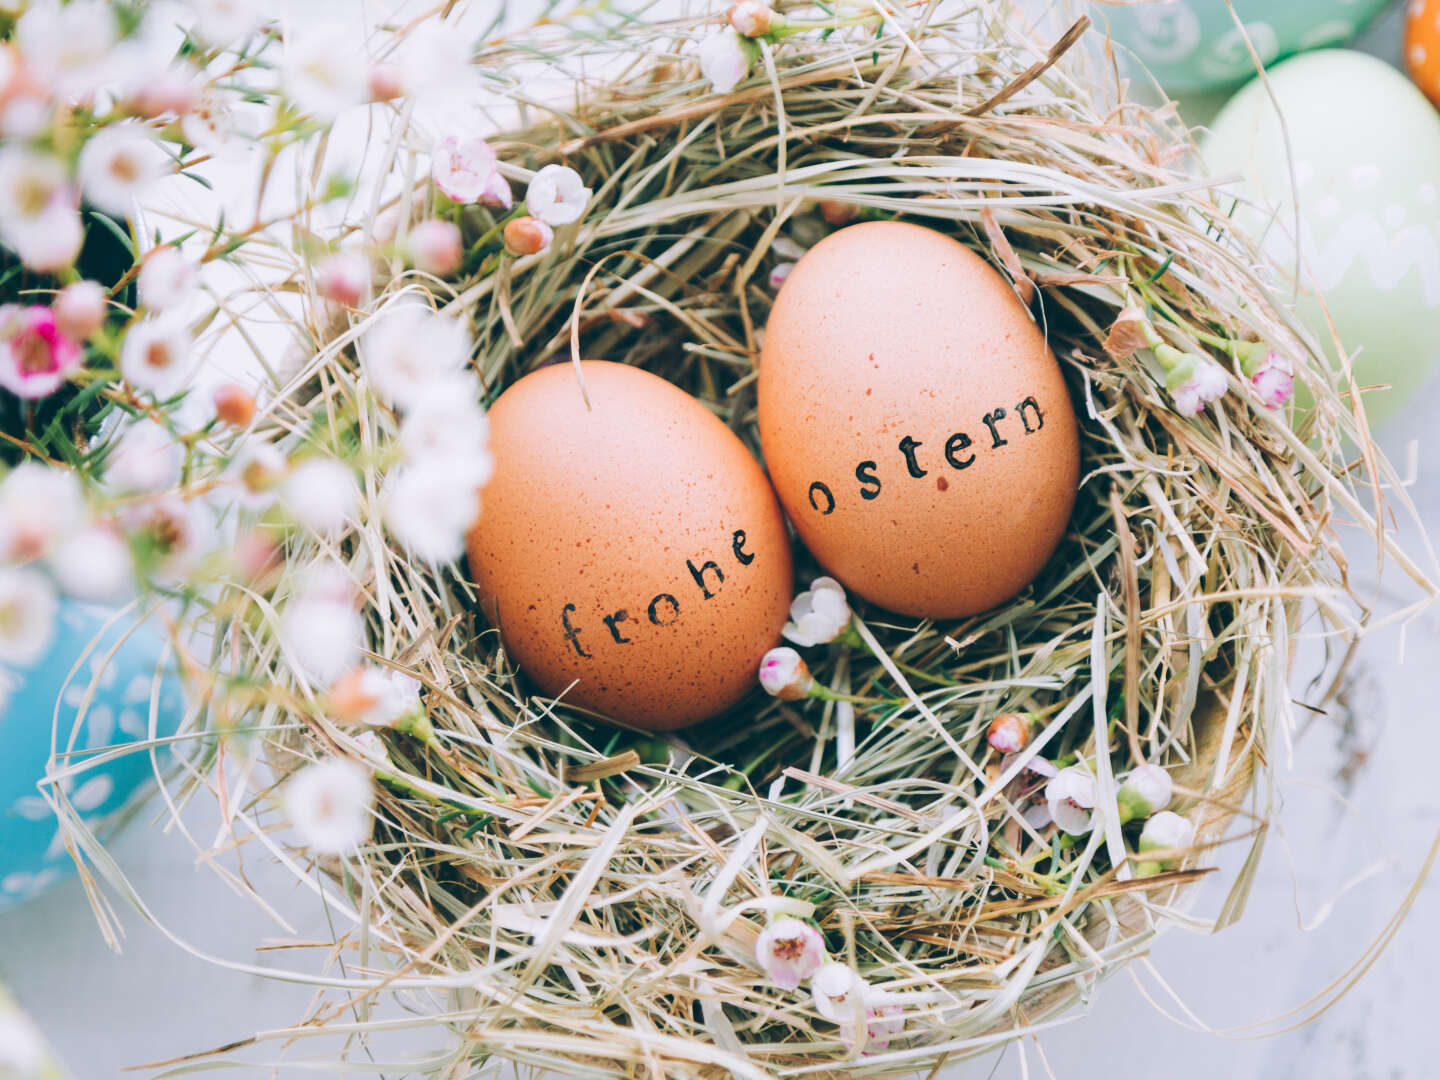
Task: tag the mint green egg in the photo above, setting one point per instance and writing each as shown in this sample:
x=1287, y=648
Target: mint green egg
x=1366, y=151
x=1194, y=45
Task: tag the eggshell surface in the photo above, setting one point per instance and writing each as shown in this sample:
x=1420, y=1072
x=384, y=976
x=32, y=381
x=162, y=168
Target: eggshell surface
x=633, y=549
x=1366, y=237
x=916, y=426
x=1422, y=46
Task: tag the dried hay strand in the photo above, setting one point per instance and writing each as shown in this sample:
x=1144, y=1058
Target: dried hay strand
x=548, y=889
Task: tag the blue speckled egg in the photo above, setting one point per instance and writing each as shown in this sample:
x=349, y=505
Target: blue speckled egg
x=130, y=688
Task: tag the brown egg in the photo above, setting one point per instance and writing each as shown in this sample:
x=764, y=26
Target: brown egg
x=917, y=428
x=632, y=555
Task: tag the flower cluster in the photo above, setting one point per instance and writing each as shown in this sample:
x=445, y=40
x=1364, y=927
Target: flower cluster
x=791, y=951
x=1196, y=381
x=137, y=482
x=467, y=171
x=727, y=55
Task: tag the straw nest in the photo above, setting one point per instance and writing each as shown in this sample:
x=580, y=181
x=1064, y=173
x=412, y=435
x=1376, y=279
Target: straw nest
x=565, y=894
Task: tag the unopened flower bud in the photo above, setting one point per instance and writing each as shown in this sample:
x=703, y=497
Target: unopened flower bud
x=80, y=309
x=527, y=236
x=785, y=675
x=1130, y=332
x=343, y=279
x=1272, y=380
x=234, y=405
x=1009, y=732
x=435, y=247
x=385, y=82
x=1193, y=381
x=1166, y=831
x=254, y=555
x=1147, y=790
x=836, y=212
x=752, y=18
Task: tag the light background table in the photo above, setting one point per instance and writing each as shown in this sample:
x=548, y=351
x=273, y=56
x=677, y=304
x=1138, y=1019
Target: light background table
x=155, y=1000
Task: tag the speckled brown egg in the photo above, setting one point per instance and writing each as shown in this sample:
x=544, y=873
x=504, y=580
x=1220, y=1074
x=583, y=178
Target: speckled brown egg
x=915, y=423
x=631, y=554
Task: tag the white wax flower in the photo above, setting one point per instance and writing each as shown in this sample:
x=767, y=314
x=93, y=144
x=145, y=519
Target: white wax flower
x=557, y=195
x=837, y=990
x=818, y=615
x=156, y=356
x=145, y=457
x=408, y=347
x=38, y=219
x=429, y=506
x=329, y=804
x=375, y=696
x=790, y=951
x=321, y=76
x=320, y=493
x=94, y=564
x=119, y=167
x=27, y=615
x=40, y=507
x=166, y=279
x=463, y=170
x=321, y=631
x=1070, y=796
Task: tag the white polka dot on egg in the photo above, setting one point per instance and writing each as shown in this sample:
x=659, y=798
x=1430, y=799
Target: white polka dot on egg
x=1365, y=176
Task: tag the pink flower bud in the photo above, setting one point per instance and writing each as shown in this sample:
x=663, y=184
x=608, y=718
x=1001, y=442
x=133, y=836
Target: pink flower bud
x=1273, y=381
x=779, y=273
x=1129, y=333
x=343, y=279
x=234, y=405
x=435, y=247
x=527, y=236
x=386, y=82
x=255, y=555
x=174, y=90
x=751, y=18
x=80, y=309
x=1009, y=732
x=785, y=675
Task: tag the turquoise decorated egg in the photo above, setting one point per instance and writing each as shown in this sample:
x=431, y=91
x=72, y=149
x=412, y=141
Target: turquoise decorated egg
x=124, y=690
x=1194, y=45
x=1366, y=151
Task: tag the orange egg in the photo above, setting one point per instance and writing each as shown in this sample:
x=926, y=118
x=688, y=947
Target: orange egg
x=916, y=425
x=1422, y=46
x=632, y=554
